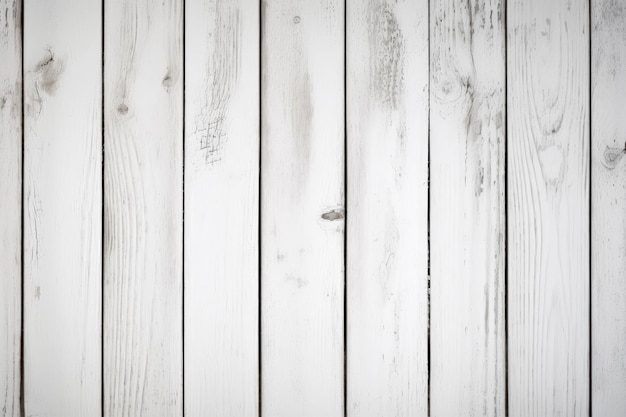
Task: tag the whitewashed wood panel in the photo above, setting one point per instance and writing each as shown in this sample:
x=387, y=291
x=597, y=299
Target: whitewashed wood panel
x=143, y=208
x=467, y=207
x=62, y=207
x=221, y=207
x=10, y=205
x=302, y=208
x=548, y=207
x=387, y=243
x=608, y=187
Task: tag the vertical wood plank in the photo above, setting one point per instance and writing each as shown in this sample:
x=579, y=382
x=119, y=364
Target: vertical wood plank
x=302, y=207
x=467, y=228
x=62, y=207
x=221, y=207
x=548, y=207
x=143, y=208
x=608, y=173
x=11, y=206
x=387, y=244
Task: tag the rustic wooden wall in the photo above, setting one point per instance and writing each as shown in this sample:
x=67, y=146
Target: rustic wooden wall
x=312, y=208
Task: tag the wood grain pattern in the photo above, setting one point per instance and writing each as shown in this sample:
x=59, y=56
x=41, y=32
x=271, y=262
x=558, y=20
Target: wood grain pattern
x=221, y=208
x=548, y=207
x=143, y=208
x=608, y=173
x=302, y=208
x=62, y=207
x=387, y=243
x=467, y=224
x=11, y=205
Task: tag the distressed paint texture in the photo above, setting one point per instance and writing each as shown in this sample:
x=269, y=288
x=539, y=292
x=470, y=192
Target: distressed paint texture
x=453, y=115
x=143, y=208
x=62, y=207
x=608, y=207
x=467, y=224
x=221, y=208
x=387, y=126
x=548, y=207
x=10, y=206
x=302, y=256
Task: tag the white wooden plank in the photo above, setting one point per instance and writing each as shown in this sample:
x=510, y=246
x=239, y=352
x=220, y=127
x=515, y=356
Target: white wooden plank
x=143, y=208
x=608, y=173
x=221, y=207
x=11, y=206
x=62, y=207
x=302, y=214
x=387, y=243
x=548, y=207
x=467, y=224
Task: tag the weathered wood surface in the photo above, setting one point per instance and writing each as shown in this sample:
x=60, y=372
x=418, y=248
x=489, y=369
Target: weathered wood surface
x=608, y=173
x=255, y=232
x=467, y=223
x=548, y=207
x=143, y=208
x=62, y=207
x=10, y=205
x=387, y=242
x=302, y=208
x=221, y=208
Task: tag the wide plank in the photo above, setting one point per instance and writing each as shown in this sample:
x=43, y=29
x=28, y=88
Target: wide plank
x=143, y=222
x=387, y=241
x=608, y=207
x=11, y=205
x=548, y=207
x=221, y=208
x=302, y=208
x=62, y=207
x=467, y=208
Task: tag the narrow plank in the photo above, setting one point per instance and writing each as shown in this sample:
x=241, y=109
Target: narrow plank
x=467, y=223
x=11, y=206
x=221, y=207
x=387, y=243
x=302, y=208
x=62, y=207
x=143, y=208
x=548, y=207
x=608, y=239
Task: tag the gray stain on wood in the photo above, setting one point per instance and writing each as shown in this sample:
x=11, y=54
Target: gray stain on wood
x=302, y=120
x=332, y=215
x=223, y=69
x=612, y=156
x=387, y=46
x=122, y=109
x=46, y=75
x=299, y=281
x=9, y=23
x=13, y=99
x=167, y=81
x=611, y=10
x=48, y=71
